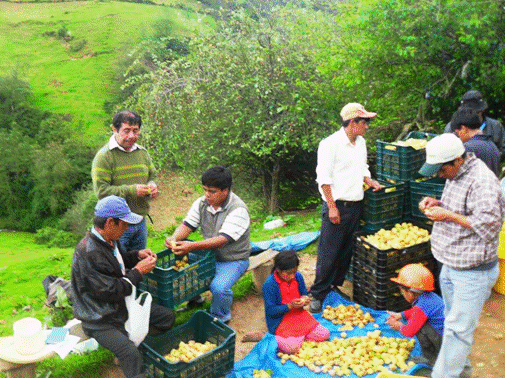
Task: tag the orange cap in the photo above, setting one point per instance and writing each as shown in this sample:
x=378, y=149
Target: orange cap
x=415, y=276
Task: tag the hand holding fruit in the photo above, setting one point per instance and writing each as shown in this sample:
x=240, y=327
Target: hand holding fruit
x=143, y=253
x=146, y=265
x=428, y=202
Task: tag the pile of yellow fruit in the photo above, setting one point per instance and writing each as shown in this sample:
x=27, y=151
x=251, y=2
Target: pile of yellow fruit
x=416, y=144
x=402, y=235
x=181, y=264
x=350, y=316
x=362, y=354
x=189, y=351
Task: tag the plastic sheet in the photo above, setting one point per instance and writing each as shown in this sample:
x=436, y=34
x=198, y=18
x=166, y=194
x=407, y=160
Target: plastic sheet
x=287, y=243
x=264, y=354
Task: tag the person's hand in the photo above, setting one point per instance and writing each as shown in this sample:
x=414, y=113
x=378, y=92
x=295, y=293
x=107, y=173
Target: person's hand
x=305, y=299
x=154, y=190
x=394, y=315
x=428, y=202
x=143, y=190
x=437, y=213
x=143, y=253
x=296, y=303
x=334, y=215
x=375, y=185
x=170, y=242
x=182, y=247
x=146, y=265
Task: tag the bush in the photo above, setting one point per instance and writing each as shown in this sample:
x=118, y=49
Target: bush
x=53, y=237
x=79, y=217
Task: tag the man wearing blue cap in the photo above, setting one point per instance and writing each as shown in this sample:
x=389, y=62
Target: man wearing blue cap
x=467, y=221
x=99, y=290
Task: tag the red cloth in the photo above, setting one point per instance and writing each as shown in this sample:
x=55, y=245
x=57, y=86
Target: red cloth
x=297, y=321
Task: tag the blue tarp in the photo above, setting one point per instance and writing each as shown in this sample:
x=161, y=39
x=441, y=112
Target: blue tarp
x=287, y=243
x=264, y=354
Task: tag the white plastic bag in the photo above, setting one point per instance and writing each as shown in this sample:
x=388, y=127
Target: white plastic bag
x=139, y=311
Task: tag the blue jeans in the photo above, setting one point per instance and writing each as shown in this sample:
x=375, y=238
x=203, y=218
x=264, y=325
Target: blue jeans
x=135, y=237
x=227, y=273
x=464, y=293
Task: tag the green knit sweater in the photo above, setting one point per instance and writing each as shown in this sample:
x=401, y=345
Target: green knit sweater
x=115, y=172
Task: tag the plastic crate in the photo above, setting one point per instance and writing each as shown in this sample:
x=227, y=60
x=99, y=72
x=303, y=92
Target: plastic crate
x=170, y=287
x=398, y=162
x=382, y=261
x=420, y=189
x=420, y=135
x=201, y=327
x=407, y=207
x=392, y=300
x=383, y=208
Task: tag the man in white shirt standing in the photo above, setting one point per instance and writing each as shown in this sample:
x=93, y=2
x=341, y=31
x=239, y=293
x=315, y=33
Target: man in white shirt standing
x=341, y=170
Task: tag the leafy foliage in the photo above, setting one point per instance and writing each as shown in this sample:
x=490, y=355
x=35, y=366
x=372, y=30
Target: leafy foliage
x=249, y=96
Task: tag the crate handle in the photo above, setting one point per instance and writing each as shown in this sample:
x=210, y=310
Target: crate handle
x=390, y=147
x=389, y=190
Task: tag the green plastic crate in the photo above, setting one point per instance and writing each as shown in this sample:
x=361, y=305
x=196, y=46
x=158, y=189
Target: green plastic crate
x=383, y=208
x=420, y=189
x=201, y=327
x=170, y=287
x=401, y=162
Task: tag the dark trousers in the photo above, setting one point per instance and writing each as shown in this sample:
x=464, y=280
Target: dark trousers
x=334, y=252
x=116, y=340
x=430, y=342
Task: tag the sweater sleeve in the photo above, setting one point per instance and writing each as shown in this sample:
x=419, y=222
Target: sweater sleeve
x=416, y=320
x=273, y=306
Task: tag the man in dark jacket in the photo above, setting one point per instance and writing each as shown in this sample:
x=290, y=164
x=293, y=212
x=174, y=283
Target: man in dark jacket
x=474, y=100
x=99, y=290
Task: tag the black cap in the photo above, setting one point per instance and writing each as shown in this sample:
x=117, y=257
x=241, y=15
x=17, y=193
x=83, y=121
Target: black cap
x=474, y=100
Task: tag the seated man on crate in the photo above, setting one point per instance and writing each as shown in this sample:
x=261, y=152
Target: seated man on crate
x=467, y=222
x=99, y=290
x=425, y=319
x=224, y=221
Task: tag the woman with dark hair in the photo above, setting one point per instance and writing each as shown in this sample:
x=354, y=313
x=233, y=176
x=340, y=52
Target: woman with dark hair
x=285, y=295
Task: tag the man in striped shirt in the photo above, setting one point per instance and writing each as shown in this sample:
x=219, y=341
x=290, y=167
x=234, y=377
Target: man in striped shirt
x=125, y=169
x=467, y=221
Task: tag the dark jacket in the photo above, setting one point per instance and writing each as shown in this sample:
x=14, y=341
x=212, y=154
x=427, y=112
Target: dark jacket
x=98, y=287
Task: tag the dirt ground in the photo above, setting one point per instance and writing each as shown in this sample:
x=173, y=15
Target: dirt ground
x=488, y=351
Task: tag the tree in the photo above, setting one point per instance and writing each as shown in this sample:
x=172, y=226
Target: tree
x=250, y=96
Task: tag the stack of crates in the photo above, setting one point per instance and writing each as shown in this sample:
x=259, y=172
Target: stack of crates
x=170, y=286
x=201, y=327
x=383, y=208
x=373, y=268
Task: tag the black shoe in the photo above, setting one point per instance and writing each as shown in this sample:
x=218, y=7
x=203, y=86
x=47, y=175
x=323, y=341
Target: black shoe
x=197, y=301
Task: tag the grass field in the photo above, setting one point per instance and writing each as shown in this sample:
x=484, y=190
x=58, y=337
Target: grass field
x=76, y=76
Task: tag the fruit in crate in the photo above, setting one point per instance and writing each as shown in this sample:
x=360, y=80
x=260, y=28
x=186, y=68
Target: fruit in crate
x=402, y=235
x=189, y=351
x=361, y=355
x=416, y=144
x=350, y=316
x=181, y=264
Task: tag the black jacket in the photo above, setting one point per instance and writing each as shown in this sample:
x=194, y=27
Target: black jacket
x=98, y=287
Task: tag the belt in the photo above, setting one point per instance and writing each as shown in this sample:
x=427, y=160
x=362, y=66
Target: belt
x=348, y=203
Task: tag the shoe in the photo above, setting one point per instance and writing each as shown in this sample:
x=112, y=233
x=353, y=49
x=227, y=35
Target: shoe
x=341, y=293
x=315, y=305
x=253, y=337
x=197, y=301
x=421, y=360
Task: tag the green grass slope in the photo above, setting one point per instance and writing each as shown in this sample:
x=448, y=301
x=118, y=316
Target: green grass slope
x=76, y=76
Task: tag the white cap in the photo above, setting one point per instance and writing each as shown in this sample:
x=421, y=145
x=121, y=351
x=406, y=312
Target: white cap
x=441, y=149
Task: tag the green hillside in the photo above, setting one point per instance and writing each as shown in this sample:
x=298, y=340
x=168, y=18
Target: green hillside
x=69, y=51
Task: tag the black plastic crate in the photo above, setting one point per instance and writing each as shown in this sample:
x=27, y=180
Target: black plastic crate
x=392, y=300
x=380, y=261
x=383, y=208
x=201, y=327
x=380, y=283
x=424, y=188
x=170, y=287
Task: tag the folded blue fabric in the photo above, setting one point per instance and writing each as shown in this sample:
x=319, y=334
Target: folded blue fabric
x=57, y=335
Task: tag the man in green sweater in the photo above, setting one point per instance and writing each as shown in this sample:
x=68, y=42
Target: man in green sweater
x=125, y=169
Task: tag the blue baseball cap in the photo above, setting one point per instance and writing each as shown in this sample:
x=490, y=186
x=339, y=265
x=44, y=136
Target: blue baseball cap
x=116, y=207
